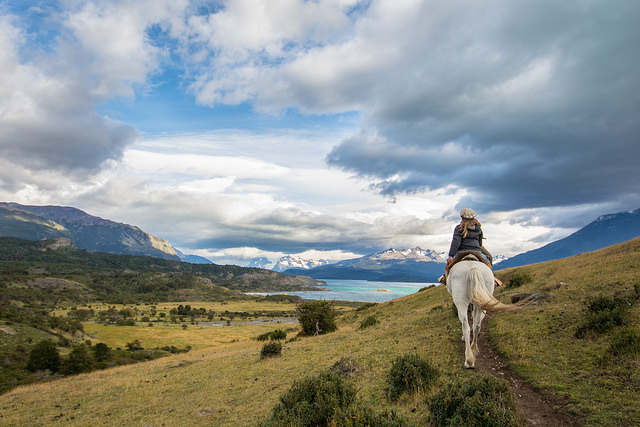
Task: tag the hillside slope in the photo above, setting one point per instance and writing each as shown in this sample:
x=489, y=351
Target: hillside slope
x=85, y=231
x=129, y=278
x=229, y=385
x=605, y=231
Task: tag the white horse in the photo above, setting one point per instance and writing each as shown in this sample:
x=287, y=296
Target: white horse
x=471, y=282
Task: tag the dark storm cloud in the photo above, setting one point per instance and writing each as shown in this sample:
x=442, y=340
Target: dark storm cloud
x=525, y=104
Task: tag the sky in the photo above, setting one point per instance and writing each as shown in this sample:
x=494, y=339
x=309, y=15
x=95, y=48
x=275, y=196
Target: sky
x=330, y=129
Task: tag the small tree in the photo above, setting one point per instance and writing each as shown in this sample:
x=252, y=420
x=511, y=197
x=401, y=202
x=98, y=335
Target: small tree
x=316, y=317
x=79, y=361
x=44, y=356
x=101, y=352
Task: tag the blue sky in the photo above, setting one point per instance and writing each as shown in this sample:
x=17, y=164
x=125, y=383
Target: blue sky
x=328, y=129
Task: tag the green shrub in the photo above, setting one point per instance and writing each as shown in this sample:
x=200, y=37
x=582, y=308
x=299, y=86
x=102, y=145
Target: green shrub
x=44, y=356
x=410, y=373
x=278, y=334
x=474, y=401
x=602, y=314
x=518, y=279
x=271, y=349
x=313, y=401
x=79, y=361
x=369, y=321
x=101, y=352
x=316, y=317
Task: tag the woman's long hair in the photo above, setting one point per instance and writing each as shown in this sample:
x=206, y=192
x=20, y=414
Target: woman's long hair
x=466, y=225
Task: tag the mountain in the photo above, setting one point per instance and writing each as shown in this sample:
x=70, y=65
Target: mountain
x=193, y=259
x=392, y=265
x=605, y=231
x=260, y=263
x=85, y=231
x=290, y=261
x=100, y=276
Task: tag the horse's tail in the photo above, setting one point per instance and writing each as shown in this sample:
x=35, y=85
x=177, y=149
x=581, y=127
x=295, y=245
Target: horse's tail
x=483, y=298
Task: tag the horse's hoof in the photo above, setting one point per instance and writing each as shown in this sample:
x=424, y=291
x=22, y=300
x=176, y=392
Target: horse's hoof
x=469, y=365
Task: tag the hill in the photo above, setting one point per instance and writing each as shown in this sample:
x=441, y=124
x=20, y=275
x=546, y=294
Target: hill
x=594, y=377
x=84, y=231
x=605, y=231
x=128, y=278
x=392, y=265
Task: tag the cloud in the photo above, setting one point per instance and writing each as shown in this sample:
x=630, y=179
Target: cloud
x=527, y=104
x=47, y=113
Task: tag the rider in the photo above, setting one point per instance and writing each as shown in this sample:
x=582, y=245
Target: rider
x=467, y=236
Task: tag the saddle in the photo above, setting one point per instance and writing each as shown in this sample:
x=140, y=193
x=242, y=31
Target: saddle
x=467, y=256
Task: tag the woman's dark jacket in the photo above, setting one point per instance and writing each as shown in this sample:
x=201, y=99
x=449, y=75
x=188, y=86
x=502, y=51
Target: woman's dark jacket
x=473, y=241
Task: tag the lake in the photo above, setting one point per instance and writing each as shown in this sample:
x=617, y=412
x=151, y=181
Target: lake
x=360, y=290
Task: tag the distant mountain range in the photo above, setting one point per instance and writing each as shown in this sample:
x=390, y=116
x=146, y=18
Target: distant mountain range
x=392, y=265
x=290, y=261
x=605, y=231
x=83, y=230
x=418, y=265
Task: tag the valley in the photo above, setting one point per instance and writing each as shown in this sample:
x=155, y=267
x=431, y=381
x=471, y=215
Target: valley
x=556, y=347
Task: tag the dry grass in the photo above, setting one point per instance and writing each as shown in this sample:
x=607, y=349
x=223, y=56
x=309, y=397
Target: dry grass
x=228, y=385
x=541, y=342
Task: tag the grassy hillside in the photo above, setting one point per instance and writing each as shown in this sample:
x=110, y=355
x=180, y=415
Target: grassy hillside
x=228, y=384
x=128, y=278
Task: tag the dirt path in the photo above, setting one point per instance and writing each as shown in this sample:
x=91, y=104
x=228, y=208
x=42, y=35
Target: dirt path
x=535, y=407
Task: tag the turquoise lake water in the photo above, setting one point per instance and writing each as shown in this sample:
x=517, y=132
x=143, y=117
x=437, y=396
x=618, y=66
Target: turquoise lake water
x=362, y=290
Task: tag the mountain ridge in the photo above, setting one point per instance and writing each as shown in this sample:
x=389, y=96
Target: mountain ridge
x=391, y=265
x=606, y=230
x=85, y=231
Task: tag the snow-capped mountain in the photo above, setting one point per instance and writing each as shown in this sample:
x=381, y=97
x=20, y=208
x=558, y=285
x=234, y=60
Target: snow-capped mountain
x=260, y=263
x=290, y=261
x=415, y=254
x=392, y=265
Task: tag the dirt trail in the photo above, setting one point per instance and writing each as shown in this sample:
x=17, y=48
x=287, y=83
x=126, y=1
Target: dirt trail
x=535, y=407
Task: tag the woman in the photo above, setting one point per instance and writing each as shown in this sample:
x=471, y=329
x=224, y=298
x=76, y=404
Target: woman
x=467, y=236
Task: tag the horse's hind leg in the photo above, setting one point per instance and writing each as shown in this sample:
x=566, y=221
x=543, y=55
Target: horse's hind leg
x=470, y=359
x=478, y=315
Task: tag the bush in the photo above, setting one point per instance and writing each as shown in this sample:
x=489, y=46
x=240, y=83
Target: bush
x=101, y=352
x=316, y=317
x=602, y=314
x=313, y=401
x=278, y=334
x=518, y=279
x=44, y=356
x=410, y=373
x=79, y=361
x=271, y=349
x=474, y=401
x=369, y=321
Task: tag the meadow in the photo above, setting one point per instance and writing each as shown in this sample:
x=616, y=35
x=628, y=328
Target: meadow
x=567, y=344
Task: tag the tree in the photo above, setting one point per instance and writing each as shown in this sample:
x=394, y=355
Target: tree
x=317, y=317
x=44, y=356
x=101, y=352
x=79, y=361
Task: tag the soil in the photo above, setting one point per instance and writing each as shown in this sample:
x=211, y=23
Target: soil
x=534, y=407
